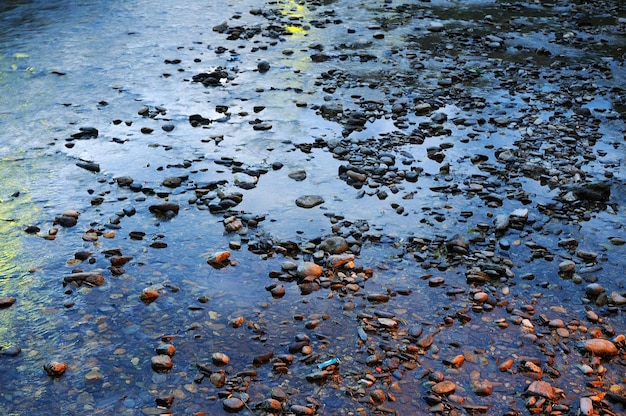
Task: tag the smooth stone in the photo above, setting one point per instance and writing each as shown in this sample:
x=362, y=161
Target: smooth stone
x=567, y=266
x=55, y=368
x=233, y=404
x=334, y=245
x=220, y=359
x=161, y=363
x=600, y=346
x=5, y=302
x=308, y=268
x=309, y=201
x=444, y=387
x=594, y=289
x=481, y=387
x=586, y=407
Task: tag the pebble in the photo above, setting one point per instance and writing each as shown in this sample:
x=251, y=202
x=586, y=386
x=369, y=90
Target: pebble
x=148, y=295
x=55, y=368
x=5, y=302
x=220, y=359
x=161, y=363
x=586, y=407
x=233, y=404
x=566, y=266
x=309, y=201
x=444, y=387
x=542, y=389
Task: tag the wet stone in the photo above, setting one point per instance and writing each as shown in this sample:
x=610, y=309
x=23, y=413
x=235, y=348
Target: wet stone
x=444, y=387
x=309, y=201
x=233, y=404
x=161, y=363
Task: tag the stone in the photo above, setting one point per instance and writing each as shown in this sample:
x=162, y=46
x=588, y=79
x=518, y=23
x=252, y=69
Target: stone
x=219, y=258
x=599, y=346
x=55, y=368
x=308, y=268
x=334, y=245
x=542, y=389
x=586, y=407
x=233, y=404
x=86, y=278
x=481, y=387
x=148, y=295
x=5, y=302
x=444, y=387
x=161, y=363
x=566, y=266
x=338, y=260
x=220, y=359
x=309, y=201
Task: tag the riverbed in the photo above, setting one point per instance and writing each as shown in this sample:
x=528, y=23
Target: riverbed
x=312, y=207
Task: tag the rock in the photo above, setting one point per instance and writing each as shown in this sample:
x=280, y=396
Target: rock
x=542, y=389
x=444, y=387
x=272, y=406
x=599, y=346
x=586, y=407
x=5, y=302
x=86, y=278
x=297, y=175
x=481, y=387
x=220, y=359
x=308, y=268
x=586, y=255
x=567, y=266
x=11, y=351
x=299, y=410
x=161, y=363
x=617, y=299
x=233, y=404
x=338, y=260
x=148, y=295
x=309, y=201
x=90, y=166
x=55, y=368
x=172, y=182
x=218, y=379
x=263, y=66
x=594, y=289
x=164, y=209
x=219, y=259
x=334, y=245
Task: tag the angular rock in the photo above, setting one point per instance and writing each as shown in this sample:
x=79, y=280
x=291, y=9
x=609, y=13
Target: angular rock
x=542, y=389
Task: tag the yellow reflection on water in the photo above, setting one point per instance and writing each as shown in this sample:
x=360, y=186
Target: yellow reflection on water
x=295, y=11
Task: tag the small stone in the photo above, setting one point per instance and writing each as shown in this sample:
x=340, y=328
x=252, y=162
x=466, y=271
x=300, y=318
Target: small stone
x=220, y=359
x=334, y=245
x=309, y=201
x=148, y=295
x=55, y=368
x=161, y=363
x=481, y=387
x=378, y=396
x=5, y=302
x=542, y=389
x=233, y=404
x=444, y=387
x=594, y=289
x=586, y=407
x=308, y=268
x=263, y=66
x=301, y=410
x=219, y=258
x=566, y=266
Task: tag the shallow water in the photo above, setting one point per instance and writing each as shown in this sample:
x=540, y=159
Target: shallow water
x=96, y=64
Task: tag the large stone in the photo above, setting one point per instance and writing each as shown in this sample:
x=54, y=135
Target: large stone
x=599, y=346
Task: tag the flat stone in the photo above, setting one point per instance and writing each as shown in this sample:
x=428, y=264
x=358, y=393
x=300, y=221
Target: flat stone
x=444, y=387
x=233, y=404
x=309, y=201
x=5, y=302
x=542, y=389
